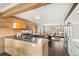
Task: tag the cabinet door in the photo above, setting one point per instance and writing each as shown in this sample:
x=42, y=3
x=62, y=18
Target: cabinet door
x=13, y=51
x=9, y=46
x=8, y=50
x=45, y=49
x=21, y=51
x=1, y=45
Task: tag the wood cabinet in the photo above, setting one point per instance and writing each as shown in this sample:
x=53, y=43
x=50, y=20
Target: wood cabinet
x=1, y=45
x=6, y=32
x=45, y=49
x=24, y=48
x=9, y=47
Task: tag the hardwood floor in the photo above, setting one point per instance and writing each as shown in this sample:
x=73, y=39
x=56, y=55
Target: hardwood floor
x=58, y=49
x=5, y=54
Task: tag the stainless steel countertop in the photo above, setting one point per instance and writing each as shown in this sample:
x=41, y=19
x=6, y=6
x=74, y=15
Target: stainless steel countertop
x=28, y=40
x=19, y=38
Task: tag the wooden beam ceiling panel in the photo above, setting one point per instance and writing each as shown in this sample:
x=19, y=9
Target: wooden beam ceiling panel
x=22, y=8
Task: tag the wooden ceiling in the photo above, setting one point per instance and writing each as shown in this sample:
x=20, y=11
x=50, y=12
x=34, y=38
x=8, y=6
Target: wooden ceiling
x=23, y=7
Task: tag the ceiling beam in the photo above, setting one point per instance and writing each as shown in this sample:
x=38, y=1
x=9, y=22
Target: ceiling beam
x=27, y=21
x=11, y=18
x=71, y=10
x=22, y=8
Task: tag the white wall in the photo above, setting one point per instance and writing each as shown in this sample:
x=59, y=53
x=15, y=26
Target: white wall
x=74, y=17
x=73, y=43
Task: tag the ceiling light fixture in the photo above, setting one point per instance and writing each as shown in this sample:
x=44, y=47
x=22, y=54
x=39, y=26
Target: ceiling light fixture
x=37, y=17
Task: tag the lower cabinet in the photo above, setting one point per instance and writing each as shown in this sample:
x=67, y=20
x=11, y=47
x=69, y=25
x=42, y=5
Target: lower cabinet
x=2, y=45
x=22, y=48
x=21, y=52
x=26, y=49
x=9, y=47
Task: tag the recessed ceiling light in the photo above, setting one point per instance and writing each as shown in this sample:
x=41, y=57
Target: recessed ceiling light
x=37, y=17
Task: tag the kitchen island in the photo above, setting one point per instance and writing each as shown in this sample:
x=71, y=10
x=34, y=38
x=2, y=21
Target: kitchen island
x=21, y=47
